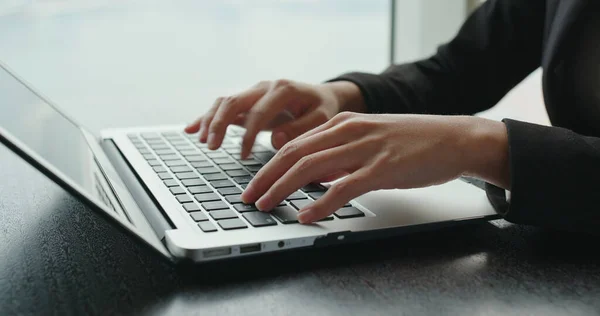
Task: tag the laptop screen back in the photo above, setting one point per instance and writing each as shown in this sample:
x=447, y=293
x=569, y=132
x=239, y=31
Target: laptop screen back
x=50, y=134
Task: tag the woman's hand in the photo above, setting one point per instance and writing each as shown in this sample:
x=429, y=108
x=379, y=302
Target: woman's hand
x=381, y=151
x=288, y=108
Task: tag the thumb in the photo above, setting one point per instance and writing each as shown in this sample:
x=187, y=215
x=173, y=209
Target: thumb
x=286, y=132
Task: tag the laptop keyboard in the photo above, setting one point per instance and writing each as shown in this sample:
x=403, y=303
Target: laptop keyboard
x=209, y=183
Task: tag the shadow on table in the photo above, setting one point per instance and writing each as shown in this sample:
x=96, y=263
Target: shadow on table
x=90, y=266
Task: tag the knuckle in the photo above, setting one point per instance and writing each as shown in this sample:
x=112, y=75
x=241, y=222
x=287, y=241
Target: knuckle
x=284, y=84
x=305, y=163
x=217, y=125
x=344, y=116
x=288, y=151
x=218, y=102
x=262, y=83
x=339, y=189
x=230, y=101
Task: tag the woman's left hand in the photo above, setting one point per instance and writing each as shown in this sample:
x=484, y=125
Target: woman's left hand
x=381, y=151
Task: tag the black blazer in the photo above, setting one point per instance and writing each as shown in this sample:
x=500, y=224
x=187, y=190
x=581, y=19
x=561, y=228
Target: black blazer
x=554, y=170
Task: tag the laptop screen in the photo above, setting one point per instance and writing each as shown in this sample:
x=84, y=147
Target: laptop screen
x=50, y=134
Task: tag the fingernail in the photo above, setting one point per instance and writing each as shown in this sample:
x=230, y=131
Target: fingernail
x=306, y=216
x=263, y=202
x=280, y=139
x=211, y=140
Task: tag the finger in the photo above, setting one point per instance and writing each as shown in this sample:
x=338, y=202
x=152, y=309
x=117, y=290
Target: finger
x=194, y=126
x=265, y=110
x=335, y=121
x=305, y=171
x=286, y=158
x=353, y=186
x=206, y=118
x=332, y=177
x=228, y=111
x=286, y=132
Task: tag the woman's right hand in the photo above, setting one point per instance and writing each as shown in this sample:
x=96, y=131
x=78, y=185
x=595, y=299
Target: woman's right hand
x=287, y=108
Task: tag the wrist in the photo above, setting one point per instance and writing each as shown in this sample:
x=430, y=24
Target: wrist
x=487, y=152
x=348, y=95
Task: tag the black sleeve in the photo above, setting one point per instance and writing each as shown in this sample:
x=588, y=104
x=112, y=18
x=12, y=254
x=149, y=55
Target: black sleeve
x=554, y=178
x=496, y=48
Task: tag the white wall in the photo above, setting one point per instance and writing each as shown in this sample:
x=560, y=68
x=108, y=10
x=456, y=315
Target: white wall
x=422, y=25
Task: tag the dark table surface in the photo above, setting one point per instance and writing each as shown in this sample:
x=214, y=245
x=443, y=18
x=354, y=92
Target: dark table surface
x=59, y=257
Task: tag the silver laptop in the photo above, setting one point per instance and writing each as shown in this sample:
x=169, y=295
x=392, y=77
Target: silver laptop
x=182, y=200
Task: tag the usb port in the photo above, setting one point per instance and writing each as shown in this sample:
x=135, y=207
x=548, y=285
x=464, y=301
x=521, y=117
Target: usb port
x=250, y=248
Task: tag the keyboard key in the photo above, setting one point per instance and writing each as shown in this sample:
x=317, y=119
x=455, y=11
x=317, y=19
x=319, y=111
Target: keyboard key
x=148, y=156
x=328, y=218
x=349, y=212
x=299, y=204
x=177, y=169
x=313, y=187
x=237, y=173
x=177, y=190
x=222, y=184
x=184, y=198
x=215, y=176
x=258, y=149
x=216, y=205
x=254, y=168
x=296, y=196
x=316, y=195
x=173, y=163
x=245, y=208
x=234, y=199
x=259, y=219
x=184, y=147
x=231, y=166
x=189, y=152
x=200, y=189
x=215, y=155
x=207, y=227
x=264, y=156
x=222, y=161
x=164, y=152
x=207, y=197
x=170, y=183
x=195, y=158
x=242, y=180
x=285, y=214
x=230, y=145
x=186, y=175
x=191, y=207
x=154, y=162
x=208, y=170
x=144, y=151
x=159, y=169
x=235, y=223
x=223, y=214
x=199, y=216
x=249, y=162
x=150, y=135
x=158, y=145
x=192, y=182
x=169, y=157
x=164, y=175
x=234, y=150
x=201, y=164
x=229, y=191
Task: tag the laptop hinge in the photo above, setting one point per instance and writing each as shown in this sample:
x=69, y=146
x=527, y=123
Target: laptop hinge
x=140, y=193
